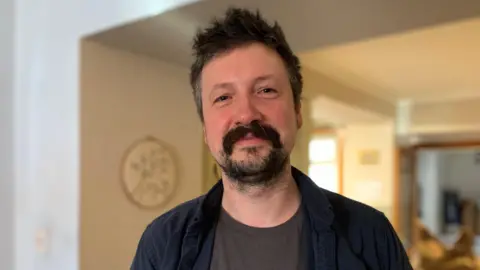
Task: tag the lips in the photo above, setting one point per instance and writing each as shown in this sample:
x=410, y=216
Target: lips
x=249, y=139
x=250, y=136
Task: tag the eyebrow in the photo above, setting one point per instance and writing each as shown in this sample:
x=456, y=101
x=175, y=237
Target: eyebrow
x=255, y=81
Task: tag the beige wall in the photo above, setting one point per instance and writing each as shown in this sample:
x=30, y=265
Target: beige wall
x=125, y=97
x=316, y=84
x=457, y=116
x=370, y=184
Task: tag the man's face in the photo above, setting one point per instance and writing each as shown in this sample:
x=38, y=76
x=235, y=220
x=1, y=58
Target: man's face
x=250, y=121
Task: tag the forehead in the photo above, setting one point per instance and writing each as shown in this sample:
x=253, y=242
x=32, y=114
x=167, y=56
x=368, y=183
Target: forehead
x=244, y=65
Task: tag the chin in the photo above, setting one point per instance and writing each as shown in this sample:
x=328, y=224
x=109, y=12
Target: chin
x=251, y=161
x=251, y=153
x=256, y=166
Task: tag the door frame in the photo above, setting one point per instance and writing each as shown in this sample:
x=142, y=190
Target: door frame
x=413, y=199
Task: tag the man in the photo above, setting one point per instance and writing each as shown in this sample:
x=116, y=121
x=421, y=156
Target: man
x=264, y=213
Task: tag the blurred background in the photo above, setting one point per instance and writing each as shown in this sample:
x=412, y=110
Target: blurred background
x=391, y=112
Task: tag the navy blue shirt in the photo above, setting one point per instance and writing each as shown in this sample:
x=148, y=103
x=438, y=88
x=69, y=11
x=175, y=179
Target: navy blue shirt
x=344, y=234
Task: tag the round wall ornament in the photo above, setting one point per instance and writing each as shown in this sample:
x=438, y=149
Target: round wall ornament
x=149, y=173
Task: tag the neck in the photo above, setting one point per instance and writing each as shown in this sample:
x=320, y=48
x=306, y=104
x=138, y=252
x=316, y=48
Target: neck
x=265, y=206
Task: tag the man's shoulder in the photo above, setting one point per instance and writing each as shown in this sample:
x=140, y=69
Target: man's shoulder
x=354, y=213
x=368, y=232
x=176, y=218
x=167, y=228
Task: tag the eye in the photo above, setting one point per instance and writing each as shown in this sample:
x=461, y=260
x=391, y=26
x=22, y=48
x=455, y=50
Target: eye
x=221, y=98
x=267, y=91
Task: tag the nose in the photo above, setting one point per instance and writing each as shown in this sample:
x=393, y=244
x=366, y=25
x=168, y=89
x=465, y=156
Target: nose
x=246, y=111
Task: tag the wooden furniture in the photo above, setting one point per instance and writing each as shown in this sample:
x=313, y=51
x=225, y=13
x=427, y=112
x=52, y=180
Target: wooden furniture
x=429, y=253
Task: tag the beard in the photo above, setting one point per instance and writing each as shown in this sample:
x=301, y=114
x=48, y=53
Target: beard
x=257, y=169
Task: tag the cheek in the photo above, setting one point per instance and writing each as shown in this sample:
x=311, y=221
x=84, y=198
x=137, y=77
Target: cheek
x=214, y=135
x=286, y=125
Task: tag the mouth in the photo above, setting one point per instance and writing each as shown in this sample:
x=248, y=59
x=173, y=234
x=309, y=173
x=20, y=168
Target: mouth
x=250, y=140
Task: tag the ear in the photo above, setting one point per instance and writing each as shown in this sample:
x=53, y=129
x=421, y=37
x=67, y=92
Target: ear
x=299, y=117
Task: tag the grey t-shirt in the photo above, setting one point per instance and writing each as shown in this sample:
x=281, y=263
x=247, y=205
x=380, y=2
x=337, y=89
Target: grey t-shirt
x=240, y=247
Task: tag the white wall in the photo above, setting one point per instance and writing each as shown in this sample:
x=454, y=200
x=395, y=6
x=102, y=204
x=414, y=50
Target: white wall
x=46, y=120
x=461, y=172
x=430, y=181
x=6, y=135
x=370, y=184
x=126, y=97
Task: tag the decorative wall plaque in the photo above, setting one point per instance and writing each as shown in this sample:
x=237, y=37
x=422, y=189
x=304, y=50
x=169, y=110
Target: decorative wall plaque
x=369, y=157
x=149, y=173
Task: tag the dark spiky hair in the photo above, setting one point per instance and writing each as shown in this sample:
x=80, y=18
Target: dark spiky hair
x=241, y=27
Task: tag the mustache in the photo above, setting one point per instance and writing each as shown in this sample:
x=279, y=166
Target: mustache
x=255, y=128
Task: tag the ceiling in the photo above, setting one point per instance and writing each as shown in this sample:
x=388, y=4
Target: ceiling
x=424, y=50
x=326, y=111
x=431, y=64
x=323, y=23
